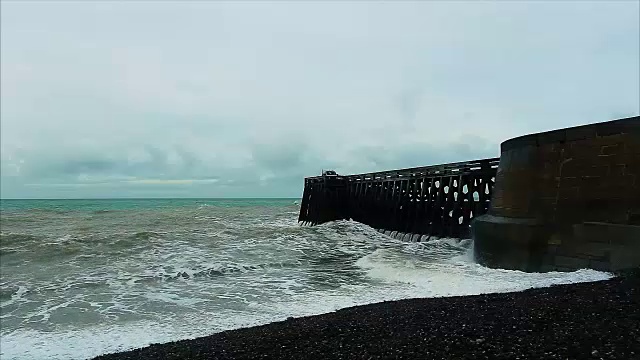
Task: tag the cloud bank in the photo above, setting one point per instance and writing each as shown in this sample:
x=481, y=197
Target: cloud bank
x=217, y=99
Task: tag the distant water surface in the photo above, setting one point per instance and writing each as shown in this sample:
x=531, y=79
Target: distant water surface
x=83, y=277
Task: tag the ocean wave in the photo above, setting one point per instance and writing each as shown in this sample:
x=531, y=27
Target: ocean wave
x=17, y=239
x=209, y=270
x=36, y=211
x=6, y=292
x=183, y=273
x=4, y=251
x=147, y=235
x=104, y=211
x=10, y=294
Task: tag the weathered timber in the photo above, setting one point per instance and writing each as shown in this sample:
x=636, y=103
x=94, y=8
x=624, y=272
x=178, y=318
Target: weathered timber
x=438, y=200
x=564, y=200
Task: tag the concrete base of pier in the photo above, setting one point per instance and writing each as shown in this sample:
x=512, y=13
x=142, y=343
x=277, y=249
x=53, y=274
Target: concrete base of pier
x=564, y=200
x=529, y=245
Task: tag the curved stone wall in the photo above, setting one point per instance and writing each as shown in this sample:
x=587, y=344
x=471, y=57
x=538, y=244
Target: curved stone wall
x=565, y=199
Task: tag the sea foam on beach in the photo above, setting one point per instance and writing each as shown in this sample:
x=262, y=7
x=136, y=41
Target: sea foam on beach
x=84, y=278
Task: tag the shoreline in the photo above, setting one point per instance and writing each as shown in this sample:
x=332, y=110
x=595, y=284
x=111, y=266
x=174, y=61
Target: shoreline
x=582, y=320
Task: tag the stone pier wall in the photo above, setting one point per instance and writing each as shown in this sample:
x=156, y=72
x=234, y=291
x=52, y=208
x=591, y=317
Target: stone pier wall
x=564, y=200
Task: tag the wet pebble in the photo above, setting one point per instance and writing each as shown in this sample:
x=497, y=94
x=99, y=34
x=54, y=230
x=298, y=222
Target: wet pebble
x=577, y=321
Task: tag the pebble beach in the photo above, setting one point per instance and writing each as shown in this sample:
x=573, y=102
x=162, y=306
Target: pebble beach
x=595, y=320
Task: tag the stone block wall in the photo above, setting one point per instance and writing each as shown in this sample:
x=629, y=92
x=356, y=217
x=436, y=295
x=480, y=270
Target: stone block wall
x=552, y=186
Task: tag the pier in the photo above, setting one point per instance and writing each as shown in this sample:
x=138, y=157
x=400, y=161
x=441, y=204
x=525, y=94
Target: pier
x=438, y=200
x=559, y=200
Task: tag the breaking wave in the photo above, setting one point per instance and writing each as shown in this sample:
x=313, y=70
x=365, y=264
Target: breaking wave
x=90, y=284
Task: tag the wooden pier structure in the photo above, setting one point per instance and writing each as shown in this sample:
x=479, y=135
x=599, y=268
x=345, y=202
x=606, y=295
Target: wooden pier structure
x=438, y=200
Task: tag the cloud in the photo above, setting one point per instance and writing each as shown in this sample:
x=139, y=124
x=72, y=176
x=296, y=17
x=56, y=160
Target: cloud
x=245, y=99
x=279, y=156
x=172, y=181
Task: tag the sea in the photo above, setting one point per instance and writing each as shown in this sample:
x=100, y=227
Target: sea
x=80, y=278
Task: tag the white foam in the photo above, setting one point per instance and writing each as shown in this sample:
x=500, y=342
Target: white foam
x=391, y=270
x=92, y=341
x=402, y=281
x=15, y=296
x=460, y=275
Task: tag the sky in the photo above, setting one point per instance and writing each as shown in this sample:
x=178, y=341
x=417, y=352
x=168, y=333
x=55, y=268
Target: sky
x=107, y=99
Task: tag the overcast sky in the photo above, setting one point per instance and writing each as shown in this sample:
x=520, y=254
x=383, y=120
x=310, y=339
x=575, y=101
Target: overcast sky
x=244, y=99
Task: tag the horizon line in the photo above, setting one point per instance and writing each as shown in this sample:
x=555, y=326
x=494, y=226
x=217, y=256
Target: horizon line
x=158, y=198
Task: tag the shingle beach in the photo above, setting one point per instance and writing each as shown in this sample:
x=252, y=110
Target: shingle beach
x=597, y=320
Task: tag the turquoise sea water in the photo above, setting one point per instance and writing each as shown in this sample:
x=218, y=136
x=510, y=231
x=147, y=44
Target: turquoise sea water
x=129, y=204
x=84, y=277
